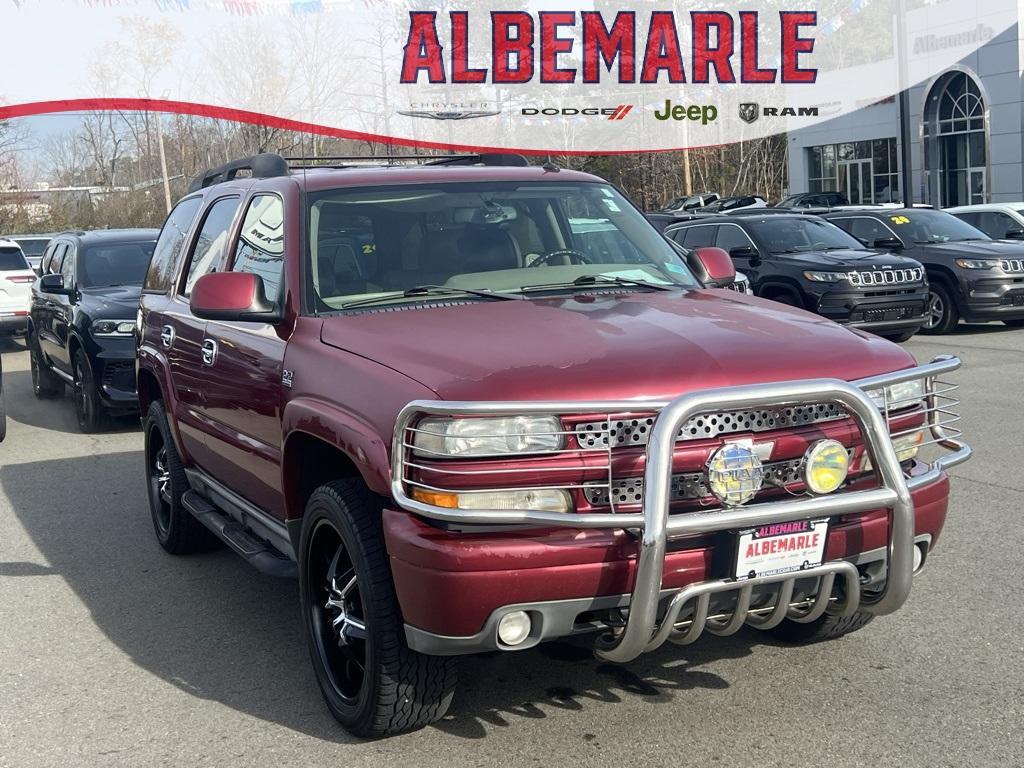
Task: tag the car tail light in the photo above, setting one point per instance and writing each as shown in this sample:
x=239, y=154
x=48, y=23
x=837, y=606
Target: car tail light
x=21, y=279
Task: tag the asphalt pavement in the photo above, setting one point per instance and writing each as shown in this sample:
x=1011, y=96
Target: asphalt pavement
x=115, y=653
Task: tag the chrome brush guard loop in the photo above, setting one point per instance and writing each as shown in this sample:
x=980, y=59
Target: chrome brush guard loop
x=654, y=525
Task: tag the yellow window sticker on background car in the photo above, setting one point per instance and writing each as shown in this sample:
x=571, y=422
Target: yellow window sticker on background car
x=899, y=219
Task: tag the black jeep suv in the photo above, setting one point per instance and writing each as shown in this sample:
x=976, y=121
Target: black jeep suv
x=82, y=320
x=809, y=263
x=970, y=276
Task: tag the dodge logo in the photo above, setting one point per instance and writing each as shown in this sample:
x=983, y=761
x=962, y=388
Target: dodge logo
x=749, y=112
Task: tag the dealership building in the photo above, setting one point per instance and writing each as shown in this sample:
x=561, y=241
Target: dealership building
x=966, y=137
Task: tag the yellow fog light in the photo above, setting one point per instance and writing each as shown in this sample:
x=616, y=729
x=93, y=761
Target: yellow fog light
x=826, y=464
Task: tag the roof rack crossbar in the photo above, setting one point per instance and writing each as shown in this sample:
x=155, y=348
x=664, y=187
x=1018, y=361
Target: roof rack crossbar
x=347, y=161
x=263, y=166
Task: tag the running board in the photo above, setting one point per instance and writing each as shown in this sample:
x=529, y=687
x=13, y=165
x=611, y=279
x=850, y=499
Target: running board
x=261, y=555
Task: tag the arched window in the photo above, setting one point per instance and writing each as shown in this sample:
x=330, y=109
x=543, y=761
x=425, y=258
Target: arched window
x=955, y=141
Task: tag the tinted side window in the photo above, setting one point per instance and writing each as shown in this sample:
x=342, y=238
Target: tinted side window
x=58, y=253
x=261, y=243
x=212, y=242
x=698, y=237
x=970, y=217
x=731, y=236
x=995, y=224
x=867, y=230
x=167, y=253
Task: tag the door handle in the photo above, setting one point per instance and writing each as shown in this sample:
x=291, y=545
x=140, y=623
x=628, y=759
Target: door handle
x=167, y=335
x=209, y=351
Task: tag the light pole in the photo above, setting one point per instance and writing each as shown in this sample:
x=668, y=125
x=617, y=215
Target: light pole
x=904, y=103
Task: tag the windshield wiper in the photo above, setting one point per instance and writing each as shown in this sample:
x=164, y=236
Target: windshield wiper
x=430, y=290
x=591, y=280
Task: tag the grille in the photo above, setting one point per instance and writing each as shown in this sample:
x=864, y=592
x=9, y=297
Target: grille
x=886, y=277
x=687, y=486
x=623, y=432
x=119, y=374
x=1012, y=265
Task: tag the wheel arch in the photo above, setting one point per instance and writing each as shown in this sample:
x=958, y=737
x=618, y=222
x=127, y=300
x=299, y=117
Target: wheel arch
x=942, y=275
x=776, y=285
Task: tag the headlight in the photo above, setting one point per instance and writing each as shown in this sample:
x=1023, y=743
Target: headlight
x=537, y=500
x=113, y=328
x=825, y=277
x=445, y=436
x=906, y=447
x=826, y=465
x=976, y=264
x=901, y=395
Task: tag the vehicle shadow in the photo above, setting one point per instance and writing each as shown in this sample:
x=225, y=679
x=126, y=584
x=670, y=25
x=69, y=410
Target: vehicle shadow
x=215, y=628
x=57, y=414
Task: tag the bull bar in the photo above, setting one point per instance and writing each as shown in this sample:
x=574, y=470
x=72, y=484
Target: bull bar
x=654, y=527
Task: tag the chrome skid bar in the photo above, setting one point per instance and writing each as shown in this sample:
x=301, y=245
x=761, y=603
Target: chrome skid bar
x=762, y=618
x=642, y=631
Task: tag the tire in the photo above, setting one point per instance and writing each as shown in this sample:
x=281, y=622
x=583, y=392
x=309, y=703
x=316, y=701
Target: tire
x=1017, y=322
x=373, y=684
x=177, y=531
x=899, y=338
x=942, y=313
x=45, y=384
x=89, y=410
x=784, y=297
x=825, y=628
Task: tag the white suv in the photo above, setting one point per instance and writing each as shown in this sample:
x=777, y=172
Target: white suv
x=1000, y=221
x=16, y=278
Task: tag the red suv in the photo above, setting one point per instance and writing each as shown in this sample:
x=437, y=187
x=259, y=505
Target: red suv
x=475, y=405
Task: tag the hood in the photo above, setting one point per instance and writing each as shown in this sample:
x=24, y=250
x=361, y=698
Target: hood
x=111, y=303
x=992, y=249
x=609, y=346
x=851, y=257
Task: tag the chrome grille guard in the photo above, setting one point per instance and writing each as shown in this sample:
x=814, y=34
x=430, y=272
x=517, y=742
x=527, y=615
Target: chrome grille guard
x=654, y=526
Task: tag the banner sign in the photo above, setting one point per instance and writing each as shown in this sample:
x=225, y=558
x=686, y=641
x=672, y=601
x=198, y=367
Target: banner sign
x=553, y=76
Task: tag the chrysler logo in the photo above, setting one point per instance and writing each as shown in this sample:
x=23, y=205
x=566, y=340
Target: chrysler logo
x=749, y=111
x=449, y=114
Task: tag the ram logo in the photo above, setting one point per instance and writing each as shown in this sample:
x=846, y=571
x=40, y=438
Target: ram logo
x=750, y=111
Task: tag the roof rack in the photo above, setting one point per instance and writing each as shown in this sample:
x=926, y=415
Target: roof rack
x=350, y=161
x=269, y=165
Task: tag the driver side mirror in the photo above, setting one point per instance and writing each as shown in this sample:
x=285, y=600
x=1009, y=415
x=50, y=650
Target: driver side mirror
x=54, y=284
x=745, y=252
x=888, y=244
x=713, y=267
x=233, y=296
x=1014, y=234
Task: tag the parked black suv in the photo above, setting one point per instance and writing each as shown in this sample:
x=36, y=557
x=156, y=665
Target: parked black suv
x=82, y=320
x=809, y=263
x=970, y=276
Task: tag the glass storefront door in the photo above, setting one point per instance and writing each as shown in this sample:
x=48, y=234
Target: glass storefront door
x=855, y=181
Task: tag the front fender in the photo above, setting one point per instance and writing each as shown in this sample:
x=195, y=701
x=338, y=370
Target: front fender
x=353, y=436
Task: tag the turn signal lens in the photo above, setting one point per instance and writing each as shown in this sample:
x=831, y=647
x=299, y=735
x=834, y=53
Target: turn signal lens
x=906, y=447
x=536, y=500
x=826, y=465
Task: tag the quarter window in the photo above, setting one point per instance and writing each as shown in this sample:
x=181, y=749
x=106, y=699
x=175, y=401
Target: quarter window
x=211, y=244
x=261, y=243
x=167, y=253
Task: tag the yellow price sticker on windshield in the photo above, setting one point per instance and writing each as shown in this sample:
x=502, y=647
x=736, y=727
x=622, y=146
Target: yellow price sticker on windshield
x=899, y=219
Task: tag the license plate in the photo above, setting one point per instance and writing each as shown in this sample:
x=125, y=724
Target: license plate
x=780, y=548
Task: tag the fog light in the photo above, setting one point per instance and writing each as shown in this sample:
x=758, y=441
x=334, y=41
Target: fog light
x=514, y=627
x=826, y=465
x=918, y=557
x=735, y=474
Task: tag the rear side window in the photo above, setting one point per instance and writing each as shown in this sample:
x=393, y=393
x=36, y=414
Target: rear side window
x=698, y=237
x=168, y=249
x=12, y=259
x=212, y=243
x=261, y=243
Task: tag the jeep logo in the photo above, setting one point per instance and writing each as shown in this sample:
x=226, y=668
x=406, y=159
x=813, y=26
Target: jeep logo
x=705, y=113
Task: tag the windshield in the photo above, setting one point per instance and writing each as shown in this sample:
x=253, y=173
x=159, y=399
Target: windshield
x=934, y=227
x=782, y=234
x=502, y=237
x=32, y=246
x=114, y=264
x=12, y=259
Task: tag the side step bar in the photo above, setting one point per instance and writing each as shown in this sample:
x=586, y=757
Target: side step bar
x=259, y=553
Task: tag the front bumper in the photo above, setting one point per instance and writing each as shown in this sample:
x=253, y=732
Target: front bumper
x=454, y=587
x=114, y=372
x=882, y=309
x=993, y=298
